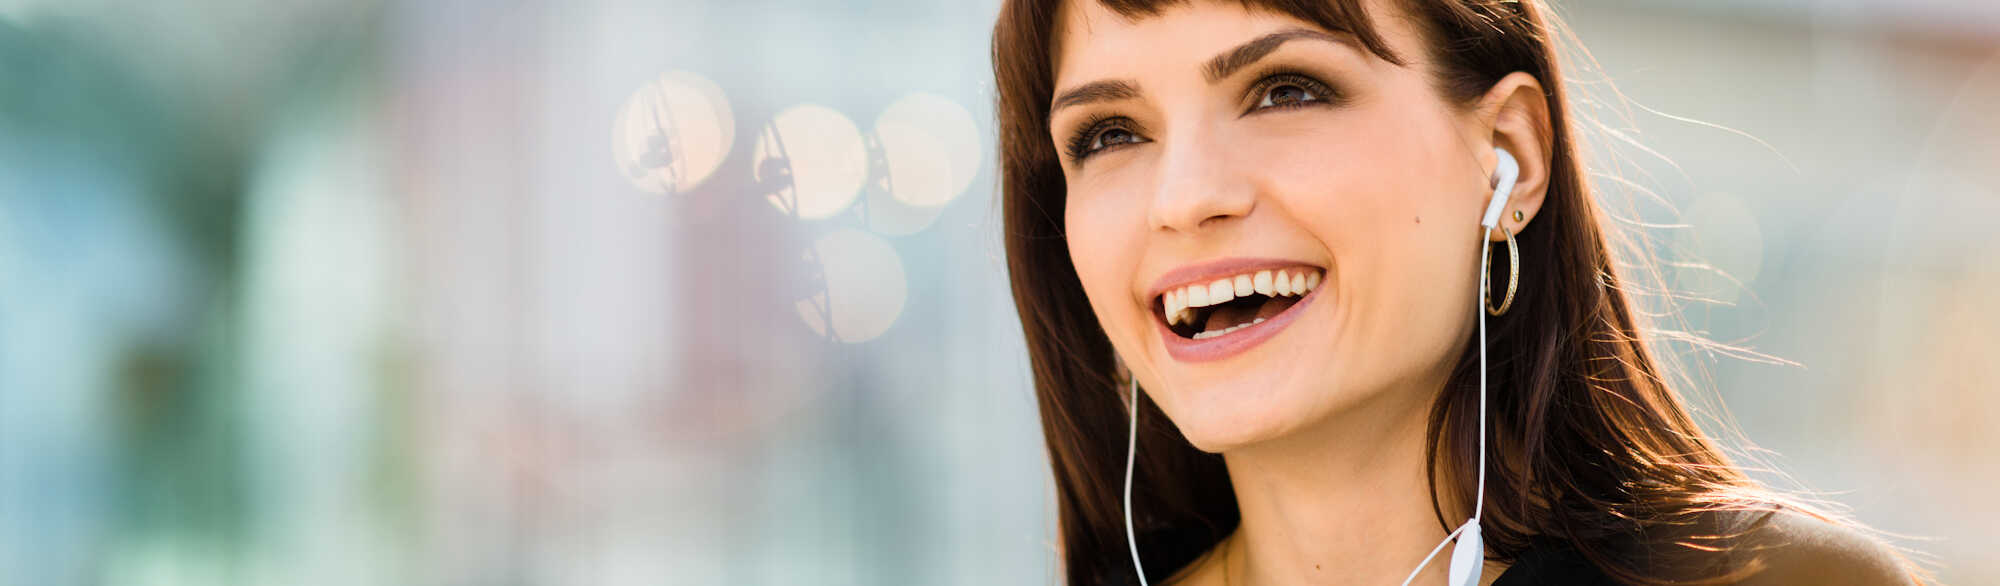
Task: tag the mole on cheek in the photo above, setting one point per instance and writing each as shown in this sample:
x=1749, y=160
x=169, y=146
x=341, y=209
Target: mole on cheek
x=1420, y=219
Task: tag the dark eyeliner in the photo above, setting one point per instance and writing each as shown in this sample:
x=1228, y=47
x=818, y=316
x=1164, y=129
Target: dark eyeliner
x=1282, y=76
x=1080, y=138
x=1079, y=143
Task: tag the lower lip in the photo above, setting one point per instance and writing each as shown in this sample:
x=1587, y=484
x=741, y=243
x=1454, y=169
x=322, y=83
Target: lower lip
x=1233, y=343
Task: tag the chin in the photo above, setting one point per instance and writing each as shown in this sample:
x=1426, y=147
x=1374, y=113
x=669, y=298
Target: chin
x=1227, y=420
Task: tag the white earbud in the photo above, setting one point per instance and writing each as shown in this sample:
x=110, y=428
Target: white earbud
x=1504, y=173
x=1468, y=558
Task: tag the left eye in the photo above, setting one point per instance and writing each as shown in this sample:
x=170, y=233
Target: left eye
x=1283, y=95
x=1111, y=137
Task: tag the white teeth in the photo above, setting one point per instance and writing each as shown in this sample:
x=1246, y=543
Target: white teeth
x=1179, y=304
x=1223, y=331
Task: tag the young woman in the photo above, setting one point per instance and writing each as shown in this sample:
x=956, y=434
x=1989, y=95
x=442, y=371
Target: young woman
x=1260, y=222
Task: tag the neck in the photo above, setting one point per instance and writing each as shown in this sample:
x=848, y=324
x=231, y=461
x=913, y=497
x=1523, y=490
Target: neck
x=1344, y=502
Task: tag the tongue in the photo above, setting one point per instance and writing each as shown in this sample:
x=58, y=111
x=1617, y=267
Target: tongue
x=1229, y=315
x=1275, y=306
x=1242, y=313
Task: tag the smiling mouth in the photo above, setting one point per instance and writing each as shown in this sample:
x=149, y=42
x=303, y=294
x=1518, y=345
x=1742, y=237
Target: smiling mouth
x=1219, y=307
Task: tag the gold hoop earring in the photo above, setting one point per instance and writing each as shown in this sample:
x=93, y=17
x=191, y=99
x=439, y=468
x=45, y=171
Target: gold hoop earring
x=1513, y=276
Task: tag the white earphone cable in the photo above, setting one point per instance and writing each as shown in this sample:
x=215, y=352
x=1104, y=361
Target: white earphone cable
x=1131, y=451
x=1433, y=555
x=1479, y=498
x=1485, y=280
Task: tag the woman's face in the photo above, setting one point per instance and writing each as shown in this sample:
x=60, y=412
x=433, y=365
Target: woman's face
x=1273, y=225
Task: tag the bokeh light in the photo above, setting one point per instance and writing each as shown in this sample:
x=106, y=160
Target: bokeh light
x=673, y=132
x=932, y=148
x=861, y=287
x=884, y=214
x=810, y=161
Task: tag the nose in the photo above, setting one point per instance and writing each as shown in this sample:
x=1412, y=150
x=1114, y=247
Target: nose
x=1197, y=189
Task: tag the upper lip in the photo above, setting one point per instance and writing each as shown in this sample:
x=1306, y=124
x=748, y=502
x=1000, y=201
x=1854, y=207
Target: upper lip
x=1204, y=272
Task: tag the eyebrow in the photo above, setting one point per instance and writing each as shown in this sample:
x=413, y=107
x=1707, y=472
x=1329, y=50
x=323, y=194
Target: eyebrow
x=1218, y=68
x=1228, y=62
x=1108, y=90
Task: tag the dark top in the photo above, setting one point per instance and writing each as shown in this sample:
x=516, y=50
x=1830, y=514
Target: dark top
x=1550, y=561
x=1785, y=549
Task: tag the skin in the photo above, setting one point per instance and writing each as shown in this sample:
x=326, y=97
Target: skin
x=1381, y=182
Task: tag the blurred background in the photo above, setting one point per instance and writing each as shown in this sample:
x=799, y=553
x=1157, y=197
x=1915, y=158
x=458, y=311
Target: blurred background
x=710, y=292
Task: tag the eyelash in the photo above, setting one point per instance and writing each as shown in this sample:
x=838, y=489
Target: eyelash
x=1090, y=130
x=1322, y=93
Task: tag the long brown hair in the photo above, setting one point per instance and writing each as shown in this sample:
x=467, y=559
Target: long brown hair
x=1593, y=447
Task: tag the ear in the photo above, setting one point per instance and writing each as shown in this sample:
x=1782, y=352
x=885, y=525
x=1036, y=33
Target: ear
x=1514, y=115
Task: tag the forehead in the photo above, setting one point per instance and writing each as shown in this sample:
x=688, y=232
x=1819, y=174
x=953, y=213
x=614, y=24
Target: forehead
x=1092, y=39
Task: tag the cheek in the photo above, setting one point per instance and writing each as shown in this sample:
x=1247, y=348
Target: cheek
x=1377, y=187
x=1104, y=247
x=1386, y=195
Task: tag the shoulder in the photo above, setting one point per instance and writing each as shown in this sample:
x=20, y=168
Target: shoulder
x=1799, y=548
x=1775, y=546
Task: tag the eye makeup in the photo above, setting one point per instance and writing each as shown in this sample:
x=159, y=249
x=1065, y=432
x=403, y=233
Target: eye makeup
x=1089, y=138
x=1279, y=77
x=1096, y=133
